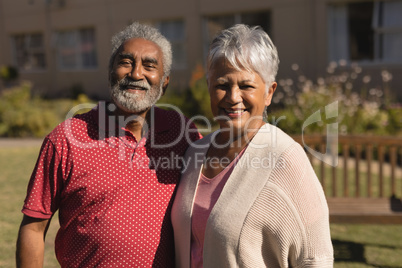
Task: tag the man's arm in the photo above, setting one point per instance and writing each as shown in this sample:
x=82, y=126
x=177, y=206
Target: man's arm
x=31, y=242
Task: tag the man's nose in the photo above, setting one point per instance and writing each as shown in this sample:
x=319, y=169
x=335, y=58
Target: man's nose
x=136, y=72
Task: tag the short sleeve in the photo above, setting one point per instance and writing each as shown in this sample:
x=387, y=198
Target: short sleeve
x=41, y=199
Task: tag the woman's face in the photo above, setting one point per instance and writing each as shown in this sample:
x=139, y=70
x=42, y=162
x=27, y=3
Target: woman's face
x=238, y=98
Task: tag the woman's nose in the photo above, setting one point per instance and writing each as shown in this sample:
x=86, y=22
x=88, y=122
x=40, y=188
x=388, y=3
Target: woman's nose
x=233, y=95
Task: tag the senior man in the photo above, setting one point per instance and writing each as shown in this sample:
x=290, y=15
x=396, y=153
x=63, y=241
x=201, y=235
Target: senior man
x=102, y=170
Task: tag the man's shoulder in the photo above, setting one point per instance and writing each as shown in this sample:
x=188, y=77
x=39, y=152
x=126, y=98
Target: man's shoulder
x=168, y=114
x=169, y=120
x=76, y=123
x=172, y=127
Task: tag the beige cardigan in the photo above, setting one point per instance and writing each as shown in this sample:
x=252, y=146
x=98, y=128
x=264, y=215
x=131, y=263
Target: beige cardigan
x=272, y=211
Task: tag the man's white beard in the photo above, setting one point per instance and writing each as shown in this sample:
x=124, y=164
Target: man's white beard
x=132, y=102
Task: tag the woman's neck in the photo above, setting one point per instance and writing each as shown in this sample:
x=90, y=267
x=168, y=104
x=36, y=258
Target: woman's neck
x=239, y=139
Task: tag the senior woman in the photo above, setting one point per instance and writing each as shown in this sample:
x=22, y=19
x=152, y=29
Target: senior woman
x=248, y=196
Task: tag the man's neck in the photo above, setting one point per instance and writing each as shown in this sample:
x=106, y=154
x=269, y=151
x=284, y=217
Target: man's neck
x=136, y=129
x=136, y=123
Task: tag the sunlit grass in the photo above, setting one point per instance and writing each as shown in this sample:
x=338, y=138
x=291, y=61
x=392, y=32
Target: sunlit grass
x=367, y=245
x=16, y=165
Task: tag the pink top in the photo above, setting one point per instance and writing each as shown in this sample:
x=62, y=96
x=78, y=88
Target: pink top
x=208, y=192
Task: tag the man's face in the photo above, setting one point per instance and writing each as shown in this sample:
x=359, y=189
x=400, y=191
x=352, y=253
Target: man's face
x=137, y=80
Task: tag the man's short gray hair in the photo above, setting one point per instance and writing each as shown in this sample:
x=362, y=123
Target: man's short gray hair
x=247, y=48
x=138, y=30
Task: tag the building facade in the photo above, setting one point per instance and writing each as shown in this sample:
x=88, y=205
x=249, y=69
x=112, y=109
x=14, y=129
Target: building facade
x=62, y=45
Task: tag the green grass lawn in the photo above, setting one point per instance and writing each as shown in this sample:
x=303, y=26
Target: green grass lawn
x=356, y=246
x=16, y=165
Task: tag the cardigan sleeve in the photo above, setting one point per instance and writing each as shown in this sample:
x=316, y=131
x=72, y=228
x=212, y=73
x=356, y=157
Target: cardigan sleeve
x=288, y=224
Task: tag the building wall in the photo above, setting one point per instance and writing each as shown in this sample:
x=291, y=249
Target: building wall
x=298, y=29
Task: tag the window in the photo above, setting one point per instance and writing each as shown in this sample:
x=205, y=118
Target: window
x=366, y=31
x=76, y=49
x=388, y=30
x=29, y=51
x=214, y=24
x=174, y=31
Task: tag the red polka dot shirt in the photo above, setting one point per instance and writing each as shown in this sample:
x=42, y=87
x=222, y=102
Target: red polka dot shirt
x=113, y=192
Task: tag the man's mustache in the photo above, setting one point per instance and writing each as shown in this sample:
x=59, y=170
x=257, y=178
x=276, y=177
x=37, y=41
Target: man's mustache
x=125, y=83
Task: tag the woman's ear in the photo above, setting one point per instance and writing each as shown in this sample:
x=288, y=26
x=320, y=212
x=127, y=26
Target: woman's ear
x=270, y=93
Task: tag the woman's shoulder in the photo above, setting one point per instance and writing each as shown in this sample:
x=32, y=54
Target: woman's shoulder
x=202, y=143
x=271, y=139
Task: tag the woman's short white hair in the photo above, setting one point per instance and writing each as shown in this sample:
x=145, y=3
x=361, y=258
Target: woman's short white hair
x=248, y=48
x=138, y=30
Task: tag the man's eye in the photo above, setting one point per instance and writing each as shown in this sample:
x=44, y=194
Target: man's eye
x=125, y=63
x=149, y=65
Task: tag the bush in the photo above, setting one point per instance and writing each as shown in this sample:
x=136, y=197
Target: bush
x=195, y=100
x=394, y=125
x=8, y=73
x=22, y=115
x=359, y=112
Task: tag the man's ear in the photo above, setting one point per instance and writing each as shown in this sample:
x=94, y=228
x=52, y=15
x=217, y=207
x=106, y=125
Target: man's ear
x=111, y=77
x=165, y=84
x=271, y=91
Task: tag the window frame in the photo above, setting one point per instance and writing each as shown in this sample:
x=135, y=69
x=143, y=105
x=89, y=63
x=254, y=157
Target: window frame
x=339, y=46
x=77, y=39
x=180, y=42
x=237, y=18
x=31, y=51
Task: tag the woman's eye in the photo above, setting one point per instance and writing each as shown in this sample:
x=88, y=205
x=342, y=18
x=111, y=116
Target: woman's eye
x=222, y=86
x=246, y=87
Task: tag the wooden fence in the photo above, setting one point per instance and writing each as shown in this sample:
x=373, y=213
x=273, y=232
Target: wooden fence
x=361, y=178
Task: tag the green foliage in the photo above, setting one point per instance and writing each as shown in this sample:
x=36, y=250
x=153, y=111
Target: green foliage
x=8, y=73
x=76, y=90
x=23, y=115
x=359, y=111
x=195, y=100
x=394, y=119
x=199, y=91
